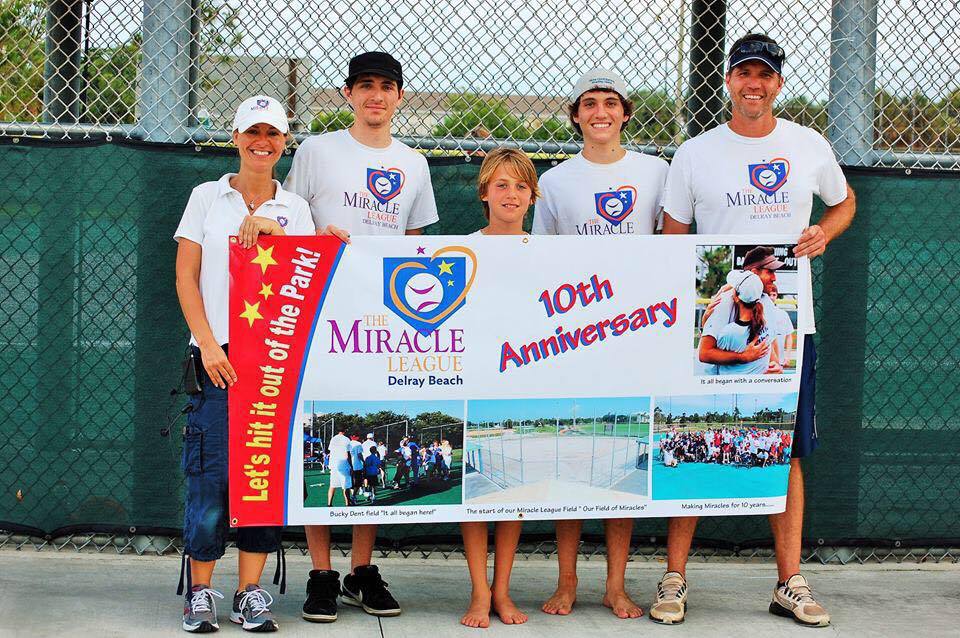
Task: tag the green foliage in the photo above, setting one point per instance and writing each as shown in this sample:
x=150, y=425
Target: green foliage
x=554, y=129
x=326, y=121
x=653, y=120
x=21, y=59
x=717, y=261
x=470, y=112
x=803, y=111
x=111, y=73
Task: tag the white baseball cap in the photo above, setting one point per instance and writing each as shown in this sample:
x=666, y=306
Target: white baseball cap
x=599, y=79
x=746, y=284
x=369, y=435
x=261, y=109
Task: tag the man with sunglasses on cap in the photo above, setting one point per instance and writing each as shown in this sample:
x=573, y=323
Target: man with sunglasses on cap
x=605, y=190
x=758, y=174
x=360, y=181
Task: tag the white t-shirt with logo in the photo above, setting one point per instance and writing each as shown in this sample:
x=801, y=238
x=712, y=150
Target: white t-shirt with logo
x=214, y=212
x=732, y=184
x=365, y=190
x=580, y=197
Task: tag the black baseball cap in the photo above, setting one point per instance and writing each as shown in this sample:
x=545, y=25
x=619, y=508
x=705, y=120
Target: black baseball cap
x=761, y=257
x=770, y=53
x=374, y=63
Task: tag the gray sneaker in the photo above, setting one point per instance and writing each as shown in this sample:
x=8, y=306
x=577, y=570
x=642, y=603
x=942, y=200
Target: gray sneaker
x=794, y=599
x=200, y=610
x=670, y=607
x=251, y=609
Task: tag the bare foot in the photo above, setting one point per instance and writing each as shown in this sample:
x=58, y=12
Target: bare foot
x=509, y=613
x=561, y=603
x=622, y=606
x=478, y=613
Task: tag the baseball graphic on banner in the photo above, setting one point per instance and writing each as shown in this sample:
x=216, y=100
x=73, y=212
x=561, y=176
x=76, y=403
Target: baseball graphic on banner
x=423, y=292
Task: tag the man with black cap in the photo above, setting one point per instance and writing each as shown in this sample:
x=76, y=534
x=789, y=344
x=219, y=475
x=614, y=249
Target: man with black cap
x=604, y=190
x=758, y=174
x=360, y=181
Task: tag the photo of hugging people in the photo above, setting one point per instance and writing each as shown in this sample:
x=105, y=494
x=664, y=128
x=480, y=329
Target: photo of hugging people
x=746, y=313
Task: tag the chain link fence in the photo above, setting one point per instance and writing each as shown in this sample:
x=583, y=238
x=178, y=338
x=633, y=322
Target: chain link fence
x=879, y=78
x=112, y=111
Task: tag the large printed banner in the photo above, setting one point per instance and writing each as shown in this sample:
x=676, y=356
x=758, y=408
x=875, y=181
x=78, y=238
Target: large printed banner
x=408, y=379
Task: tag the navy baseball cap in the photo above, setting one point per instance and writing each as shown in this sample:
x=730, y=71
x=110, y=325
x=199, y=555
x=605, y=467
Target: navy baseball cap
x=769, y=53
x=374, y=63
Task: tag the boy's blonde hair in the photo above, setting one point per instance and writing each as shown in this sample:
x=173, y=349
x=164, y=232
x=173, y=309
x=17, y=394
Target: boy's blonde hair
x=517, y=163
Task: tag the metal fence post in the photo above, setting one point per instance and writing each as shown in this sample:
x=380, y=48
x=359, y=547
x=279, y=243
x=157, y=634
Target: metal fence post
x=853, y=67
x=707, y=32
x=165, y=70
x=61, y=69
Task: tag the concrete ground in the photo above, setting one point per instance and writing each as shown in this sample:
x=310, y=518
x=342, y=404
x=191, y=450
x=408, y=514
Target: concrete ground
x=69, y=594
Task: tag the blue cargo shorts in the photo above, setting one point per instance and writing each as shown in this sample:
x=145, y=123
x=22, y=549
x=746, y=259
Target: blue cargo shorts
x=805, y=439
x=204, y=463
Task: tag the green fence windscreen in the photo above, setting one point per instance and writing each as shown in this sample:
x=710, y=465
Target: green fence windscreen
x=92, y=339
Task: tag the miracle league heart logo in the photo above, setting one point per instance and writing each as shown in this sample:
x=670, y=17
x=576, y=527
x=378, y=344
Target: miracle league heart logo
x=769, y=177
x=616, y=206
x=385, y=183
x=426, y=291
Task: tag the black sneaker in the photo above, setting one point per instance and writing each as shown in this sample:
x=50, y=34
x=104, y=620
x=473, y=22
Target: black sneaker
x=323, y=587
x=364, y=588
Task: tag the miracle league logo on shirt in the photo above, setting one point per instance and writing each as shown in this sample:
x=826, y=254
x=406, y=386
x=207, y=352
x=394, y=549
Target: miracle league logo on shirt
x=613, y=206
x=376, y=202
x=768, y=177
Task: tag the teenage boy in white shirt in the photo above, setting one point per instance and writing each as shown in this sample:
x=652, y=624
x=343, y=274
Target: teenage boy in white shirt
x=602, y=191
x=758, y=174
x=360, y=181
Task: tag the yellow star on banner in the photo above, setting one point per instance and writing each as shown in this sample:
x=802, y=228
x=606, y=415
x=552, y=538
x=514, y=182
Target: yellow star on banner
x=266, y=290
x=251, y=312
x=450, y=283
x=445, y=268
x=264, y=258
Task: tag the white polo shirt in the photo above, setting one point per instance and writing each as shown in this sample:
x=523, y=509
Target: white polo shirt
x=365, y=190
x=214, y=213
x=732, y=184
x=580, y=197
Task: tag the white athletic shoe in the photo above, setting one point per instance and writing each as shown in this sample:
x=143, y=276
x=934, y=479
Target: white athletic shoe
x=671, y=604
x=794, y=599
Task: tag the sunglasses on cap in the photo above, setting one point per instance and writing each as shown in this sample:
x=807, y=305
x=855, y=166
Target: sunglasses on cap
x=756, y=46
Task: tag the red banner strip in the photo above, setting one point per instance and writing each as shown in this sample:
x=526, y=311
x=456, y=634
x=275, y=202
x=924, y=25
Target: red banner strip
x=276, y=288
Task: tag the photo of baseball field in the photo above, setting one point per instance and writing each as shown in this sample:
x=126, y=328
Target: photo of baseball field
x=557, y=450
x=722, y=446
x=363, y=453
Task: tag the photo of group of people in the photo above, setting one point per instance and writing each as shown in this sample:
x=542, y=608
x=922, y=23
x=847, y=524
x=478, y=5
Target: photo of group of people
x=382, y=453
x=718, y=446
x=746, y=314
x=743, y=447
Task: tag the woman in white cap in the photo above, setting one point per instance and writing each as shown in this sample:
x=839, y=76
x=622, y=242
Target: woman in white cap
x=246, y=204
x=749, y=326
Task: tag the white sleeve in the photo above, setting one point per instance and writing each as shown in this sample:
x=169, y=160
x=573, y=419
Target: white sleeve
x=191, y=224
x=831, y=185
x=678, y=189
x=544, y=213
x=300, y=178
x=424, y=210
x=302, y=220
x=720, y=316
